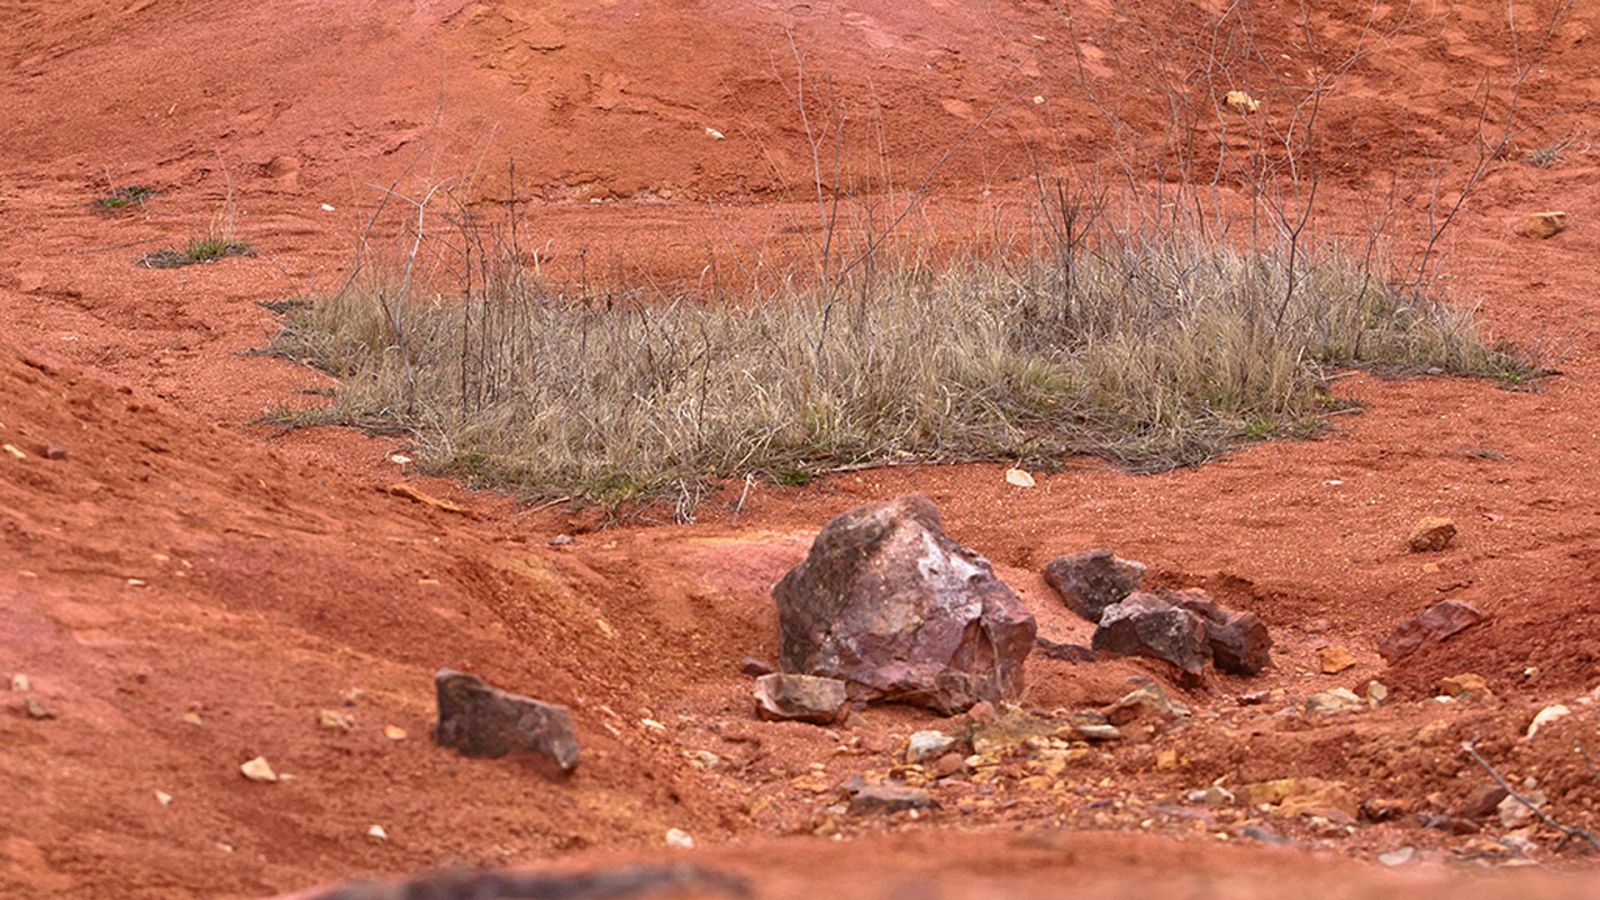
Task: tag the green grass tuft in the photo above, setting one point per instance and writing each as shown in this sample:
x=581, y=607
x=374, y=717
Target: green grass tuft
x=208, y=248
x=122, y=198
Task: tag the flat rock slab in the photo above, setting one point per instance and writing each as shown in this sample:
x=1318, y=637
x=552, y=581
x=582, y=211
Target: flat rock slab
x=800, y=698
x=888, y=603
x=1437, y=624
x=481, y=720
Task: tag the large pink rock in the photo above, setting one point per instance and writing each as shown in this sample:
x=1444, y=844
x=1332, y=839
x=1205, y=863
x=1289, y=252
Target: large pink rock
x=888, y=603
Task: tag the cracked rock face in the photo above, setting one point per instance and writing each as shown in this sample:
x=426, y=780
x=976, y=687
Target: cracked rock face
x=891, y=605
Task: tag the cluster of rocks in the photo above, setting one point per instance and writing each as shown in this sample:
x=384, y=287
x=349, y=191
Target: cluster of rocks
x=887, y=607
x=1186, y=628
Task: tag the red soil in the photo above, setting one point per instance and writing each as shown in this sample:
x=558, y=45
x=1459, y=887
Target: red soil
x=276, y=577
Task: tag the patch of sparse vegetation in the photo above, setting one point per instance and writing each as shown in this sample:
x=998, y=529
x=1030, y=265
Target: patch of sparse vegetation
x=207, y=248
x=1150, y=351
x=283, y=306
x=124, y=197
x=1553, y=152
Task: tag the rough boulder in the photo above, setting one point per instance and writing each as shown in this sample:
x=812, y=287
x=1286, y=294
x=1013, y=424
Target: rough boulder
x=888, y=603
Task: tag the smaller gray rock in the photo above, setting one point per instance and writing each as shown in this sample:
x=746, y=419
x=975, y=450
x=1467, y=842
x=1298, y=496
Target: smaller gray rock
x=925, y=746
x=889, y=798
x=1147, y=625
x=481, y=720
x=800, y=698
x=1091, y=580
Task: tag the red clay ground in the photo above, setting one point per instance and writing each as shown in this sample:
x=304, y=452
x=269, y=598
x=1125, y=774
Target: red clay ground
x=181, y=559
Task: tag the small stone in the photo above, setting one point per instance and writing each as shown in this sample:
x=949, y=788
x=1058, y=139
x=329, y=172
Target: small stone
x=928, y=745
x=1335, y=701
x=258, y=769
x=1546, y=716
x=334, y=720
x=1095, y=732
x=1484, y=803
x=561, y=540
x=755, y=668
x=1263, y=834
x=1212, y=796
x=36, y=710
x=1514, y=813
x=677, y=837
x=1544, y=225
x=949, y=765
x=889, y=798
x=1397, y=857
x=1091, y=580
x=1241, y=102
x=193, y=718
x=703, y=759
x=480, y=720
x=394, y=732
x=1336, y=659
x=1166, y=760
x=1147, y=701
x=1437, y=624
x=1019, y=478
x=14, y=451
x=1330, y=800
x=800, y=698
x=377, y=833
x=982, y=712
x=21, y=684
x=1467, y=686
x=1431, y=534
x=163, y=798
x=1061, y=652
x=51, y=451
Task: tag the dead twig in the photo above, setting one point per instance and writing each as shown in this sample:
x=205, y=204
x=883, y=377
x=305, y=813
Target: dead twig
x=1568, y=832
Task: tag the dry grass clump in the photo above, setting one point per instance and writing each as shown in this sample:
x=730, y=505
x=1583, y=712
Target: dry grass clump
x=1152, y=353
